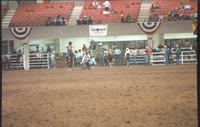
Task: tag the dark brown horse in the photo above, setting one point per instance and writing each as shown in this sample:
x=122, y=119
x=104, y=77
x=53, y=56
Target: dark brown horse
x=70, y=60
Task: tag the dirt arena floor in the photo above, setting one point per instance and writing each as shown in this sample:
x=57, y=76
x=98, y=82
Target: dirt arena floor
x=141, y=96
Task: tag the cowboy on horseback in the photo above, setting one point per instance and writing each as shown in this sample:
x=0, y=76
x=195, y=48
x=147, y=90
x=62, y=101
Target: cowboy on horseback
x=69, y=55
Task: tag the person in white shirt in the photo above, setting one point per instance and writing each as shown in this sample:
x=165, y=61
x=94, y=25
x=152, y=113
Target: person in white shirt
x=95, y=3
x=88, y=60
x=127, y=56
x=53, y=62
x=107, y=5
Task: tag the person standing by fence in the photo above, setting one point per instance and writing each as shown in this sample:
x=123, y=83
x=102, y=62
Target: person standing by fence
x=117, y=53
x=127, y=56
x=53, y=61
x=148, y=52
x=178, y=53
x=134, y=56
x=166, y=55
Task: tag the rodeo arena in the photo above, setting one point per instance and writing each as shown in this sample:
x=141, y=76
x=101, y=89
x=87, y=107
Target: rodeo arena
x=99, y=63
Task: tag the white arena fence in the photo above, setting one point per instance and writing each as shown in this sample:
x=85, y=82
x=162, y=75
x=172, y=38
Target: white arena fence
x=42, y=60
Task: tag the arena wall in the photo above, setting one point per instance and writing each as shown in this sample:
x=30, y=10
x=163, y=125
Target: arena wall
x=79, y=35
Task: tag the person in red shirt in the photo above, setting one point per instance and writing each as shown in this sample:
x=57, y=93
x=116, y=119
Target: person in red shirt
x=84, y=48
x=148, y=53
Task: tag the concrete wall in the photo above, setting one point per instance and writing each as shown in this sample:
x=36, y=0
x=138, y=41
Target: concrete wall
x=52, y=32
x=79, y=35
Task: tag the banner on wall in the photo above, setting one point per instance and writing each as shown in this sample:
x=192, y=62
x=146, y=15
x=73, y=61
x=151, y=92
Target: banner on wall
x=20, y=33
x=149, y=27
x=194, y=26
x=98, y=30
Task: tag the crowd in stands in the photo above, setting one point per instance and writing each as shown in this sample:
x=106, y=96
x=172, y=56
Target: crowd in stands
x=84, y=20
x=59, y=20
x=183, y=12
x=128, y=19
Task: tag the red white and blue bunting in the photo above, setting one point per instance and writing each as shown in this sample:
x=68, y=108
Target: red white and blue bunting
x=149, y=27
x=20, y=32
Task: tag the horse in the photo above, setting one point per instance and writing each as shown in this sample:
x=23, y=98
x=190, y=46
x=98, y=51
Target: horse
x=6, y=61
x=69, y=59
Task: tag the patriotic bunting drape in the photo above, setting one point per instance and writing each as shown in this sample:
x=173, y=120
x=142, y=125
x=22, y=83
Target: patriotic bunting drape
x=20, y=32
x=149, y=27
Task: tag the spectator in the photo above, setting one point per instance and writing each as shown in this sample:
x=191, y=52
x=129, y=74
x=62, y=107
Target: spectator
x=42, y=50
x=195, y=16
x=107, y=5
x=84, y=48
x=37, y=49
x=148, y=52
x=166, y=54
x=95, y=3
x=101, y=58
x=117, y=53
x=161, y=17
x=48, y=22
x=187, y=7
x=153, y=5
x=129, y=19
x=127, y=56
x=109, y=58
x=48, y=49
x=58, y=20
x=19, y=55
x=79, y=57
x=78, y=21
x=84, y=19
x=134, y=53
x=181, y=6
x=86, y=58
x=122, y=18
x=151, y=18
x=53, y=62
x=63, y=21
x=90, y=20
x=178, y=53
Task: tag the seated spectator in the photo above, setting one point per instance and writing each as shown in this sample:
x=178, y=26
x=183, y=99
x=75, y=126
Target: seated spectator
x=161, y=17
x=151, y=18
x=90, y=20
x=84, y=20
x=153, y=5
x=181, y=6
x=187, y=7
x=63, y=21
x=78, y=21
x=48, y=22
x=95, y=3
x=107, y=5
x=58, y=20
x=195, y=15
x=129, y=19
x=122, y=18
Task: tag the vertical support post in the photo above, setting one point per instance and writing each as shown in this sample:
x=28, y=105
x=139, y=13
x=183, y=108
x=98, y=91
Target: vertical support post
x=26, y=55
x=182, y=57
x=48, y=60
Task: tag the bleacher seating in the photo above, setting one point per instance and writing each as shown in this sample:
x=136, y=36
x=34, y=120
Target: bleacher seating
x=4, y=9
x=168, y=5
x=37, y=14
x=121, y=6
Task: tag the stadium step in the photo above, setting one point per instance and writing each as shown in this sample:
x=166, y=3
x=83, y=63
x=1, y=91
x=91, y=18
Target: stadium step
x=8, y=17
x=75, y=13
x=144, y=11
